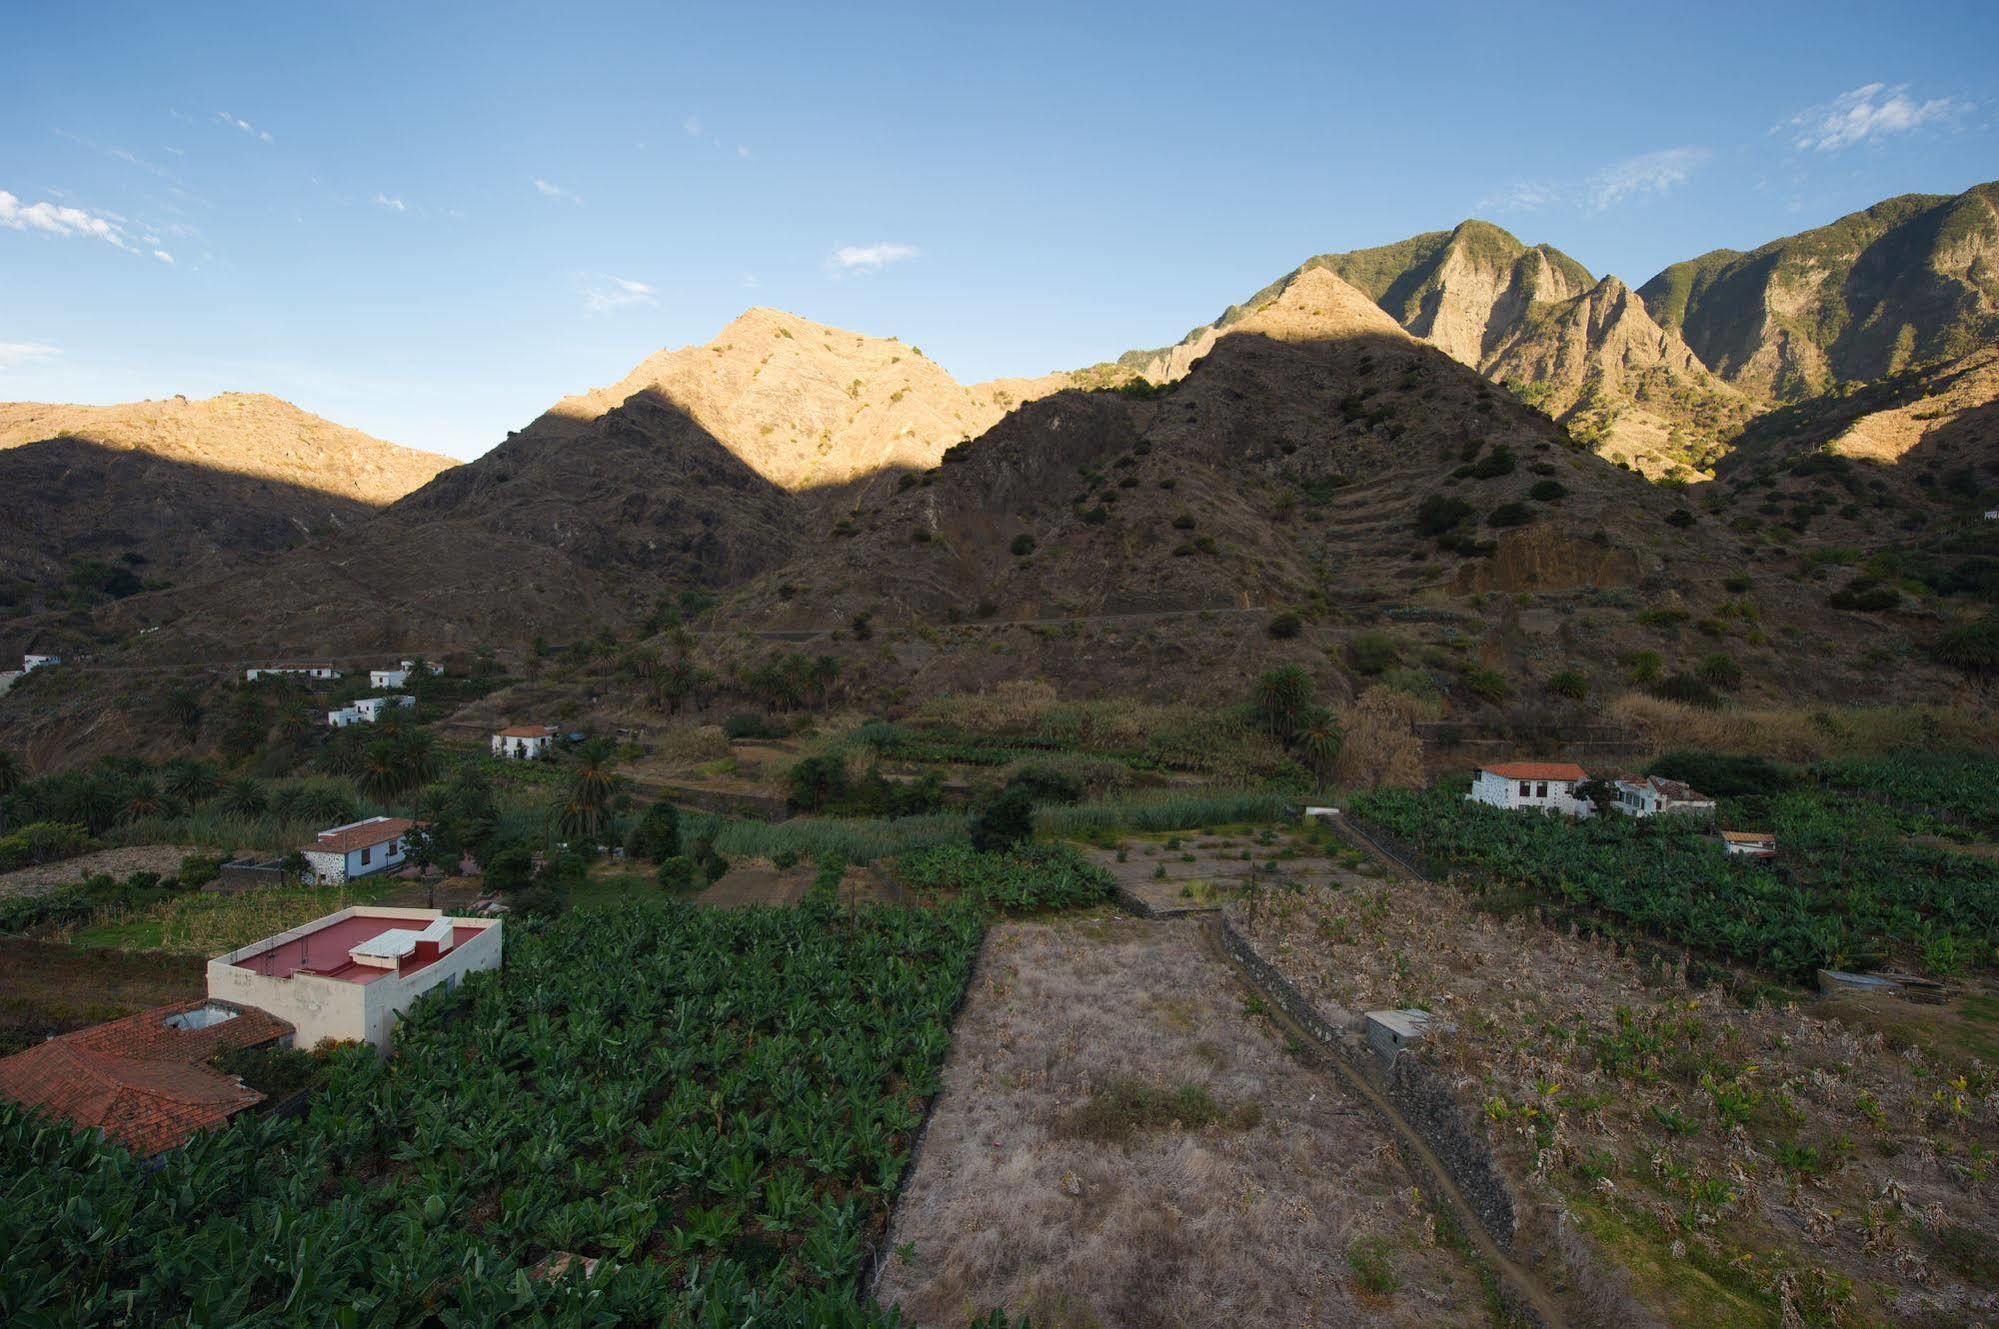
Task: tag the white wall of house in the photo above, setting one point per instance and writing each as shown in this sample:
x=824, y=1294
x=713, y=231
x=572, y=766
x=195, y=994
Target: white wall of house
x=321, y=1008
x=1641, y=798
x=387, y=678
x=515, y=746
x=30, y=663
x=343, y=717
x=1529, y=795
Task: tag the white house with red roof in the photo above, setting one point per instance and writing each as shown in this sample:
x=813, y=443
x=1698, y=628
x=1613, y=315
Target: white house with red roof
x=1534, y=786
x=523, y=741
x=349, y=975
x=358, y=849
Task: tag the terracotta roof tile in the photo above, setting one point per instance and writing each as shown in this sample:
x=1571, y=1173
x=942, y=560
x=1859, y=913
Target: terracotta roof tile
x=144, y=1083
x=1537, y=770
x=359, y=837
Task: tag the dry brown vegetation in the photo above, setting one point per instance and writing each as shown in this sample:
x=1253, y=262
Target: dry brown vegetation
x=1774, y=1165
x=1119, y=1143
x=1804, y=733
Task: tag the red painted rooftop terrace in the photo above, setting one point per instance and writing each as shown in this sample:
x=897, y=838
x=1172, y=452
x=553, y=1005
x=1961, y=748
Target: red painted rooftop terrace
x=358, y=948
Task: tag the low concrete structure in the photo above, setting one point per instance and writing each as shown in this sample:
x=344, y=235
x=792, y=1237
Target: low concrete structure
x=1390, y=1032
x=348, y=976
x=1532, y=786
x=1750, y=844
x=358, y=849
x=30, y=663
x=524, y=742
x=387, y=678
x=1652, y=796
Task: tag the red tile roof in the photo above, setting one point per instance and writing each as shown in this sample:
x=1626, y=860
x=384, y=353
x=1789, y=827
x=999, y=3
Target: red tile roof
x=145, y=1084
x=525, y=731
x=1537, y=770
x=1748, y=837
x=367, y=833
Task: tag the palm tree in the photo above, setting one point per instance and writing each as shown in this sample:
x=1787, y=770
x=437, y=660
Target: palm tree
x=1318, y=740
x=1281, y=697
x=191, y=781
x=593, y=783
x=143, y=799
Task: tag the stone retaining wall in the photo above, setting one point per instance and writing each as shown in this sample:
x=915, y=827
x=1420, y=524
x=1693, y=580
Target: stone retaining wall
x=1423, y=1097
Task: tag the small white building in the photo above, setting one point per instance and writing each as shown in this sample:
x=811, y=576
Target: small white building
x=524, y=742
x=367, y=710
x=30, y=663
x=1652, y=796
x=321, y=672
x=1534, y=786
x=343, y=717
x=430, y=666
x=358, y=849
x=349, y=975
x=1749, y=844
x=387, y=678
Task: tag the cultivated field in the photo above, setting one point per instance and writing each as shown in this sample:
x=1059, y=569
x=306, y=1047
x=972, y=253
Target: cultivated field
x=1121, y=1143
x=164, y=859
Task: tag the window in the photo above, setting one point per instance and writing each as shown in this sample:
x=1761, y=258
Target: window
x=365, y=852
x=1541, y=789
x=1526, y=789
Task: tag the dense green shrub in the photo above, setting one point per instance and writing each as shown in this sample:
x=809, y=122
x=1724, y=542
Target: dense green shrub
x=1686, y=688
x=1440, y=513
x=1373, y=653
x=1023, y=545
x=1973, y=647
x=1570, y=683
x=1549, y=491
x=41, y=842
x=1285, y=626
x=1004, y=822
x=1509, y=514
x=1719, y=671
x=656, y=834
x=1725, y=775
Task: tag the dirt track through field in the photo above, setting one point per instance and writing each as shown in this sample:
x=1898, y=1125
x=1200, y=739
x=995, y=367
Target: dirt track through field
x=1526, y=1290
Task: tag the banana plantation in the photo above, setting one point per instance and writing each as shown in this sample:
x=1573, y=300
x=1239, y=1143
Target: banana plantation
x=715, y=1107
x=1857, y=880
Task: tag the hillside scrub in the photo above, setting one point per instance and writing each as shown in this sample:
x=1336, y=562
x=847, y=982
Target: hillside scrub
x=1803, y=733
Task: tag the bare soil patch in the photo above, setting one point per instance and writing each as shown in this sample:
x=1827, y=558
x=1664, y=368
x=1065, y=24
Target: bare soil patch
x=757, y=885
x=49, y=988
x=1119, y=1142
x=1194, y=871
x=121, y=863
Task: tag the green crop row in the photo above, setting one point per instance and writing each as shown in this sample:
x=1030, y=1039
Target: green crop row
x=718, y=1105
x=1848, y=885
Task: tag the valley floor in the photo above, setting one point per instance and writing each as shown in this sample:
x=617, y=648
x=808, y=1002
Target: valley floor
x=1121, y=1142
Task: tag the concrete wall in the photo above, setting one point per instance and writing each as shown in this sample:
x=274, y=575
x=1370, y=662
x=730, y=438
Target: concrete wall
x=322, y=1008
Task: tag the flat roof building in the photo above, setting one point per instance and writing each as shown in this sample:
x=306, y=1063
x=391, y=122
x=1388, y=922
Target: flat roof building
x=347, y=976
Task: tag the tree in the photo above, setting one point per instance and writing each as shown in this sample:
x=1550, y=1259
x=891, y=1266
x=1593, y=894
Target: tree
x=510, y=869
x=1280, y=698
x=432, y=844
x=10, y=781
x=817, y=782
x=183, y=709
x=1005, y=822
x=592, y=787
x=1318, y=741
x=657, y=835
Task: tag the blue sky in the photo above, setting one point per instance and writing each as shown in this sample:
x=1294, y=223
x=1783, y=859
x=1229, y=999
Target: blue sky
x=429, y=221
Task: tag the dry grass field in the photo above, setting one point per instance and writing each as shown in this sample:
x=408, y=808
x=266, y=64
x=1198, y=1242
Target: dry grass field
x=121, y=863
x=1805, y=1161
x=1120, y=1142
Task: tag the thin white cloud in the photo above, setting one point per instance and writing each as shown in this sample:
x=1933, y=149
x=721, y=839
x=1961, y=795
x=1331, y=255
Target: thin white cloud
x=16, y=354
x=60, y=219
x=392, y=204
x=1646, y=174
x=548, y=190
x=869, y=258
x=743, y=151
x=1867, y=115
x=607, y=294
x=692, y=124
x=750, y=280
x=1523, y=196
x=261, y=135
x=164, y=257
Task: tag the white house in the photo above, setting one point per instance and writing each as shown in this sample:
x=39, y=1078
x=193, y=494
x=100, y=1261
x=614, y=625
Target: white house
x=315, y=671
x=1537, y=786
x=366, y=710
x=1749, y=844
x=430, y=666
x=358, y=849
x=524, y=741
x=1651, y=796
x=387, y=678
x=348, y=976
x=30, y=663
